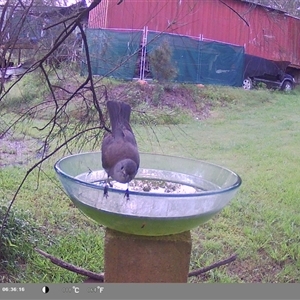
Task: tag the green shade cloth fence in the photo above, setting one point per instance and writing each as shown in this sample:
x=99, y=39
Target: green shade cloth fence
x=116, y=53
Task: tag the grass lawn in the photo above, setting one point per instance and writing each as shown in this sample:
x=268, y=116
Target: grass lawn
x=254, y=133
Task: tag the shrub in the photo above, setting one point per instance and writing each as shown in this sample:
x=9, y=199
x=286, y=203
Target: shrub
x=161, y=64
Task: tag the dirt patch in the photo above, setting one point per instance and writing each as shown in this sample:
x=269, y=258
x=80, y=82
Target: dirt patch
x=261, y=269
x=14, y=152
x=173, y=96
x=249, y=271
x=185, y=98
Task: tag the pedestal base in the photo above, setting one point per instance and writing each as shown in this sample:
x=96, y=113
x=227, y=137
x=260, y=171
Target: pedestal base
x=133, y=258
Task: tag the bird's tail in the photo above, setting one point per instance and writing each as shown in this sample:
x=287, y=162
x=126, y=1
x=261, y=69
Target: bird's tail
x=119, y=115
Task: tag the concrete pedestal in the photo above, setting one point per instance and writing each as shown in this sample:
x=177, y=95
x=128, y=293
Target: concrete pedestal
x=132, y=258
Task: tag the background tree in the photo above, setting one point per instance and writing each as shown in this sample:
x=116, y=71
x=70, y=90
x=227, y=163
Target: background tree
x=291, y=7
x=55, y=87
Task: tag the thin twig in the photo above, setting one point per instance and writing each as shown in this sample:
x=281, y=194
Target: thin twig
x=235, y=12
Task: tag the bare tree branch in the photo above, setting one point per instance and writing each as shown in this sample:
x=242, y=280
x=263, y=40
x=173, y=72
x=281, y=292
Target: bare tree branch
x=53, y=123
x=213, y=266
x=100, y=277
x=70, y=267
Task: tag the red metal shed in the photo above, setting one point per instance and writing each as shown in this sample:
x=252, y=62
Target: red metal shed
x=263, y=31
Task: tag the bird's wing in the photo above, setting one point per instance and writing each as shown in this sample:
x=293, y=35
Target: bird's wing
x=105, y=149
x=129, y=137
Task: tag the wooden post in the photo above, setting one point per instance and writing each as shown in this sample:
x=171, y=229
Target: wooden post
x=144, y=259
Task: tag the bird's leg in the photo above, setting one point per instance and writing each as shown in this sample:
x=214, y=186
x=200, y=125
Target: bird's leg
x=105, y=194
x=107, y=184
x=127, y=192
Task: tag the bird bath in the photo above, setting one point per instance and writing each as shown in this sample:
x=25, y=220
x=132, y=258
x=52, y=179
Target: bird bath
x=169, y=194
x=147, y=237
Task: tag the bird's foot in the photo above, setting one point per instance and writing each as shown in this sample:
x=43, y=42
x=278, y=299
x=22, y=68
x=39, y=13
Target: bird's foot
x=127, y=195
x=105, y=194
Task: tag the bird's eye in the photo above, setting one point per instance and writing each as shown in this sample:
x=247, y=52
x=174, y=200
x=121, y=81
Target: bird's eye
x=122, y=168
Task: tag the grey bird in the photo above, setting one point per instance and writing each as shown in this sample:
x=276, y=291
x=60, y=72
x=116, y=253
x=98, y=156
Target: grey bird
x=120, y=156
